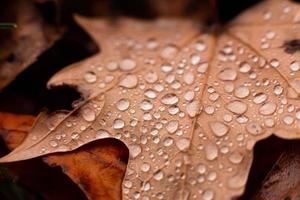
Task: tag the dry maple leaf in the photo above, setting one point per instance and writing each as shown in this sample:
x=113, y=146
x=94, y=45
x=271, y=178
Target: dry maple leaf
x=189, y=105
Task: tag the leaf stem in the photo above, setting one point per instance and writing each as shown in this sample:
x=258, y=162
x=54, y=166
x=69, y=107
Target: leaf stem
x=8, y=25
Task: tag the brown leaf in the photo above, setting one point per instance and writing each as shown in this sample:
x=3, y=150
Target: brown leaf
x=97, y=168
x=24, y=44
x=283, y=181
x=190, y=105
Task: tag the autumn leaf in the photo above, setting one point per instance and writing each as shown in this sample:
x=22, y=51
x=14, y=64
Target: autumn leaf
x=283, y=181
x=22, y=46
x=189, y=104
x=102, y=179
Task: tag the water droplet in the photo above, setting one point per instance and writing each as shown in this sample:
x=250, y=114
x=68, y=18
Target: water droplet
x=146, y=105
x=127, y=64
x=189, y=95
x=254, y=128
x=236, y=158
x=278, y=89
x=102, y=134
x=118, y=124
x=200, y=46
x=202, y=68
x=122, y=104
x=195, y=59
x=166, y=67
x=168, y=141
x=151, y=77
x=260, y=98
x=218, y=128
x=208, y=195
x=237, y=107
x=295, y=66
x=112, y=66
x=169, y=99
x=192, y=108
x=189, y=78
x=201, y=169
x=288, y=120
x=183, y=144
x=88, y=114
x=53, y=143
x=159, y=175
x=209, y=110
x=134, y=150
x=268, y=108
x=245, y=67
x=241, y=92
x=211, y=151
x=90, y=77
x=145, y=167
x=150, y=94
x=274, y=63
x=172, y=126
x=227, y=74
x=169, y=52
x=129, y=81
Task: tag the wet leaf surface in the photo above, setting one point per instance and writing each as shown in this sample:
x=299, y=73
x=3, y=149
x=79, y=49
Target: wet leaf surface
x=189, y=104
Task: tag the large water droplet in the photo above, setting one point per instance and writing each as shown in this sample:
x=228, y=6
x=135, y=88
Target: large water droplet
x=192, y=108
x=254, y=128
x=172, y=126
x=88, y=114
x=169, y=99
x=183, y=144
x=122, y=104
x=241, y=92
x=129, y=81
x=237, y=107
x=268, y=108
x=146, y=105
x=127, y=64
x=159, y=175
x=227, y=74
x=218, y=128
x=211, y=151
x=169, y=52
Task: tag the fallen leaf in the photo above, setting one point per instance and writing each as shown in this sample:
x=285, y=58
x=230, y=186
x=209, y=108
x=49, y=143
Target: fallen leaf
x=25, y=43
x=189, y=104
x=283, y=181
x=97, y=168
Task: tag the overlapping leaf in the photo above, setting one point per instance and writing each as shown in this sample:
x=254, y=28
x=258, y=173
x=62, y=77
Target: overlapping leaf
x=189, y=104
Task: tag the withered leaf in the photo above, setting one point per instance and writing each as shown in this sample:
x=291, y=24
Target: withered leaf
x=283, y=181
x=26, y=42
x=189, y=105
x=97, y=168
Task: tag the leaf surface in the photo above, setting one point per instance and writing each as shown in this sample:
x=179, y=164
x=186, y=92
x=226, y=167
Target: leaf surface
x=189, y=104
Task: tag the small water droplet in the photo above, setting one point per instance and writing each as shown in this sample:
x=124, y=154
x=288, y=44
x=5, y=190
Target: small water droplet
x=159, y=175
x=134, y=150
x=88, y=114
x=211, y=151
x=172, y=126
x=183, y=144
x=241, y=92
x=192, y=108
x=245, y=67
x=254, y=128
x=169, y=52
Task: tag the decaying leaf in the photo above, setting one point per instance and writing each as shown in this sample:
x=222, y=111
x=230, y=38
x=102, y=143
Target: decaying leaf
x=97, y=168
x=25, y=43
x=189, y=104
x=283, y=181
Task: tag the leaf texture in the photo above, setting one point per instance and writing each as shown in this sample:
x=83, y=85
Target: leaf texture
x=189, y=104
